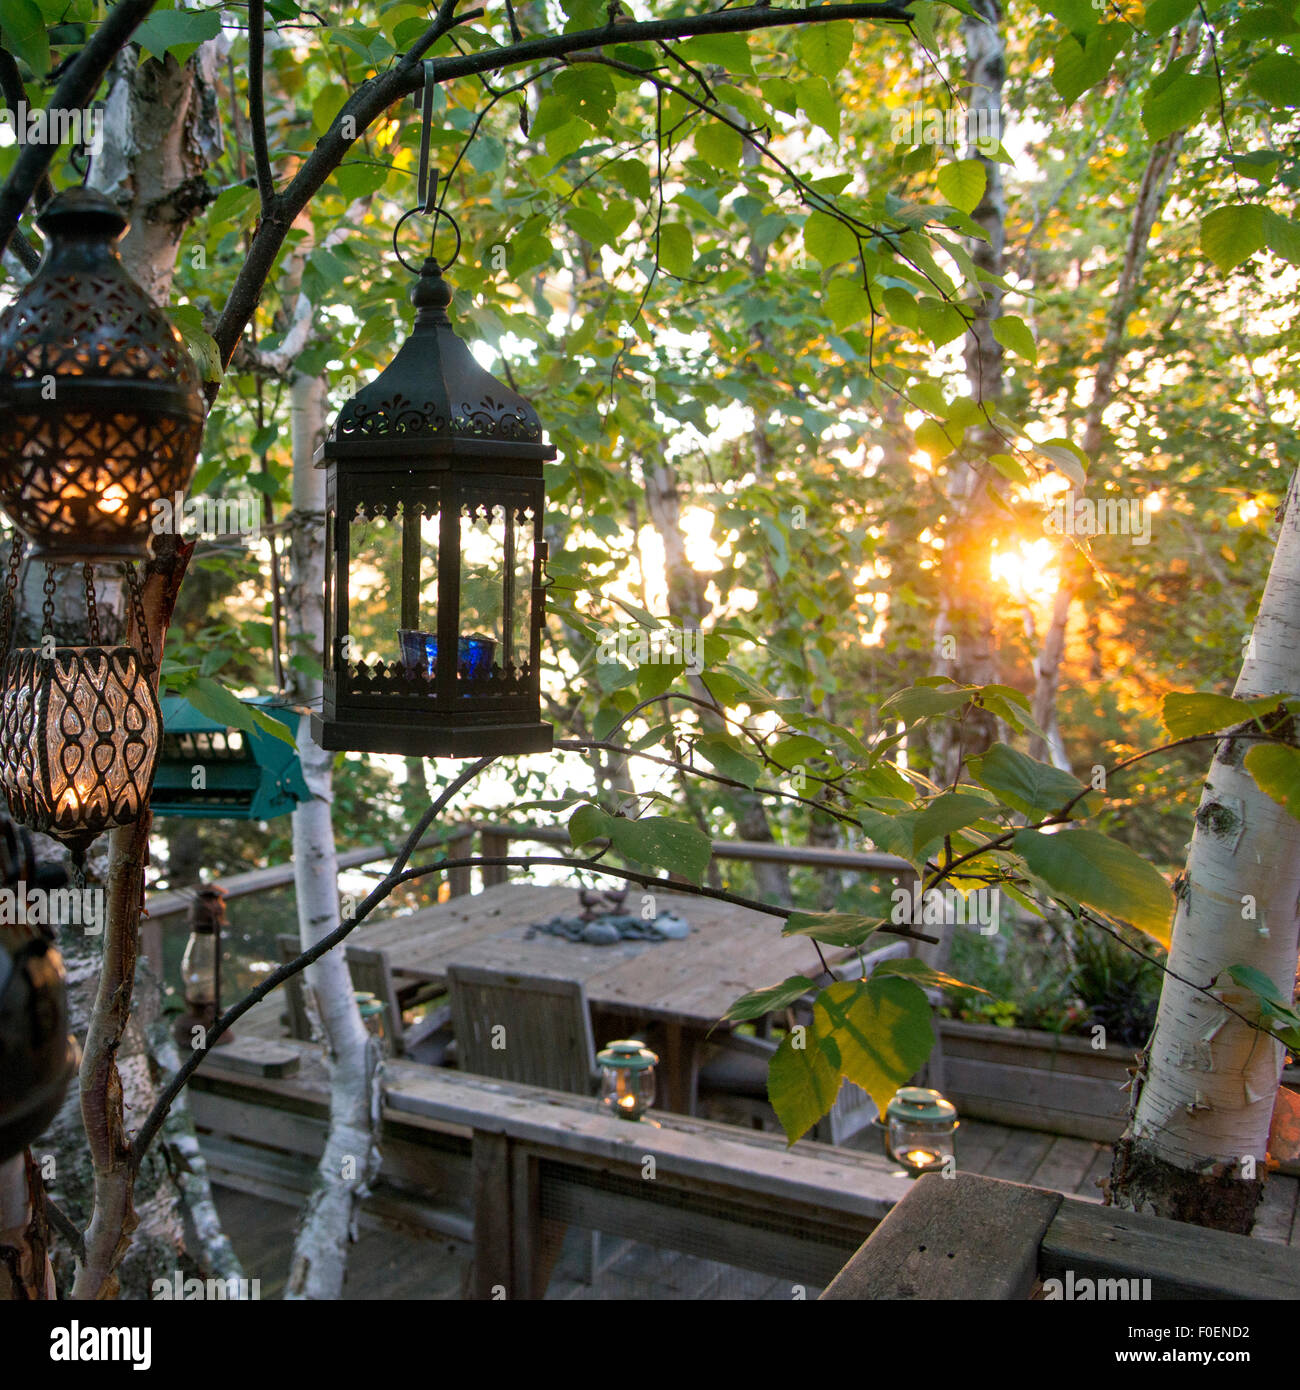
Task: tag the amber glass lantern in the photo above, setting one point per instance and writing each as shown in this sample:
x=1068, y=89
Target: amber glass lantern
x=101, y=411
x=434, y=591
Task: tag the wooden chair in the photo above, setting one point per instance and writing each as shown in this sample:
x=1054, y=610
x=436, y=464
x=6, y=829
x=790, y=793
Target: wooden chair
x=426, y=1040
x=525, y=1028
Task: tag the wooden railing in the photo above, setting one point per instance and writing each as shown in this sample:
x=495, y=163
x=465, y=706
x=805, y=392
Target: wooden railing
x=494, y=842
x=972, y=1237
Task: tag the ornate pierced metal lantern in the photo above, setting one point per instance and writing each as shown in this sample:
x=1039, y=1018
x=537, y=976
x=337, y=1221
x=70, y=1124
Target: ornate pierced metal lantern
x=100, y=405
x=434, y=591
x=79, y=727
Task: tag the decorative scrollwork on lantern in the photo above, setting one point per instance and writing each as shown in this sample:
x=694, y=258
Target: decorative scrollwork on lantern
x=79, y=738
x=101, y=411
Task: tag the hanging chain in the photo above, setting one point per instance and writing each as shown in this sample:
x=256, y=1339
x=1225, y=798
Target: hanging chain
x=11, y=587
x=47, y=608
x=92, y=609
x=137, y=607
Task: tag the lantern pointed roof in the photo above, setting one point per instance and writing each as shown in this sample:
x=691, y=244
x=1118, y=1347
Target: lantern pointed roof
x=434, y=392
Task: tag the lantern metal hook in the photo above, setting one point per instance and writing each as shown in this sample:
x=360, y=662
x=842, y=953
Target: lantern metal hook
x=438, y=214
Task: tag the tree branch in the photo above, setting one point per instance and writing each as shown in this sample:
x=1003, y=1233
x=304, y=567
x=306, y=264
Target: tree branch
x=257, y=103
x=76, y=88
x=377, y=94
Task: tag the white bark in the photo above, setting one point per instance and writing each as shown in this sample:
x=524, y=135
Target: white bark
x=1211, y=1080
x=351, y=1157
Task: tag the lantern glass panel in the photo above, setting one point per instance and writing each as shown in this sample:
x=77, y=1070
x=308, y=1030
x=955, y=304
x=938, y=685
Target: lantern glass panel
x=482, y=591
x=375, y=589
x=517, y=651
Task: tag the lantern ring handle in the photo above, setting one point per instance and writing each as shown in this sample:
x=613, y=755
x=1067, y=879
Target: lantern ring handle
x=438, y=213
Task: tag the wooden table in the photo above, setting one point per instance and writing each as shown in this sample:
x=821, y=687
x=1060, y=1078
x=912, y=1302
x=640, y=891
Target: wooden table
x=684, y=986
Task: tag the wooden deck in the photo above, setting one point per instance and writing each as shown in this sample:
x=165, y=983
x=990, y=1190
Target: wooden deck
x=397, y=1259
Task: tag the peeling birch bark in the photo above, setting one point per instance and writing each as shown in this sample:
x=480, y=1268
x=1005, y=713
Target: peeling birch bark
x=1198, y=1132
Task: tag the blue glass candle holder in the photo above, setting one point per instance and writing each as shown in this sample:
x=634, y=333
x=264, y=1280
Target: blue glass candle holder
x=475, y=654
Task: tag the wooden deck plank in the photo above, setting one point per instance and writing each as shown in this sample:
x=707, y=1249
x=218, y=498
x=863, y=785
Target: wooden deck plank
x=977, y=1143
x=1023, y=1151
x=1275, y=1214
x=1065, y=1164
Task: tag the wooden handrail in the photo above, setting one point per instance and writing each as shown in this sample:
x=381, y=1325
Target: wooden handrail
x=169, y=904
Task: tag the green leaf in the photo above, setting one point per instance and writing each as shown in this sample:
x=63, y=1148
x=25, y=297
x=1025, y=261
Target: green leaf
x=1282, y=236
x=1077, y=67
x=1276, y=770
x=1277, y=79
x=881, y=1029
x=825, y=48
x=921, y=702
x=1180, y=104
x=589, y=91
x=947, y=813
x=846, y=303
x=676, y=256
x=821, y=104
x=937, y=440
x=718, y=145
x=1162, y=15
x=202, y=345
x=213, y=699
x=22, y=26
x=765, y=1001
x=589, y=823
x=962, y=183
x=801, y=1084
x=1102, y=873
x=179, y=32
x=831, y=928
x=1025, y=784
x=1233, y=233
x=1187, y=713
x=663, y=844
x=730, y=51
x=1014, y=335
x=828, y=240
x=1069, y=460
x=723, y=753
x=922, y=974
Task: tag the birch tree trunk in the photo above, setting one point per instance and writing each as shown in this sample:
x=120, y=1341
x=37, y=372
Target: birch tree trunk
x=1205, y=1089
x=964, y=647
x=351, y=1156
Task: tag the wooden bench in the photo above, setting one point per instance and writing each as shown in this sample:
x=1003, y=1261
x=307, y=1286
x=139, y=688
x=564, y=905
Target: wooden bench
x=512, y=1166
x=971, y=1237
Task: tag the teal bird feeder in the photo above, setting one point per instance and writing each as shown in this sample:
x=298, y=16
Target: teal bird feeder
x=209, y=769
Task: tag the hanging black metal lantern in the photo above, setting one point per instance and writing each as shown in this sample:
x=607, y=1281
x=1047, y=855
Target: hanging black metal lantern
x=100, y=405
x=434, y=589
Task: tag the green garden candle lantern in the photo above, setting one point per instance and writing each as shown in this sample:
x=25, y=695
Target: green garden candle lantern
x=919, y=1127
x=627, y=1078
